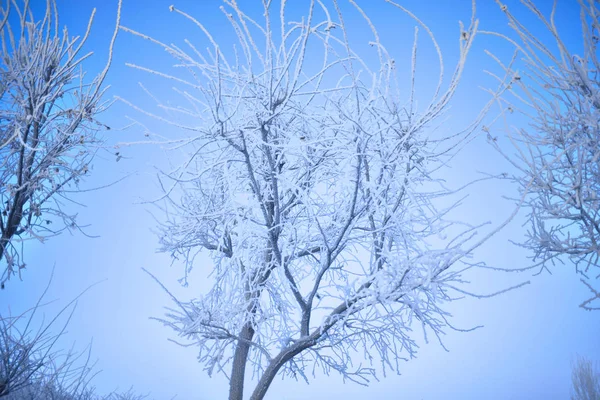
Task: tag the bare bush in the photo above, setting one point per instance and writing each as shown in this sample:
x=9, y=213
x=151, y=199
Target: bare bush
x=32, y=365
x=586, y=380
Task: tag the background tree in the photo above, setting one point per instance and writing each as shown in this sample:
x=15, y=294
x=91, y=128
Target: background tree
x=313, y=186
x=586, y=380
x=48, y=127
x=557, y=157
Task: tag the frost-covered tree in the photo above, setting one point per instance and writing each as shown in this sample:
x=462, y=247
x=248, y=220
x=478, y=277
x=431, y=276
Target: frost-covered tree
x=49, y=133
x=311, y=179
x=558, y=153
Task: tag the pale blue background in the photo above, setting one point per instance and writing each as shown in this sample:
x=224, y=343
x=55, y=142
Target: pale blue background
x=530, y=335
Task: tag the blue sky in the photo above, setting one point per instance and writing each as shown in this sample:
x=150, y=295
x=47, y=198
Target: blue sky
x=529, y=337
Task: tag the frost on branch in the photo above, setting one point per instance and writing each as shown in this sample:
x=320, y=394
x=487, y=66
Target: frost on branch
x=557, y=158
x=48, y=127
x=311, y=182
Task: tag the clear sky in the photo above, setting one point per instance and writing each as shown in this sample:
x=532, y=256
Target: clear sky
x=530, y=336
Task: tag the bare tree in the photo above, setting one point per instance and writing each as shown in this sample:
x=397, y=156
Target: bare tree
x=313, y=185
x=586, y=380
x=48, y=127
x=557, y=154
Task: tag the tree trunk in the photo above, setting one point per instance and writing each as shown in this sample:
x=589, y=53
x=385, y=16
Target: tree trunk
x=240, y=358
